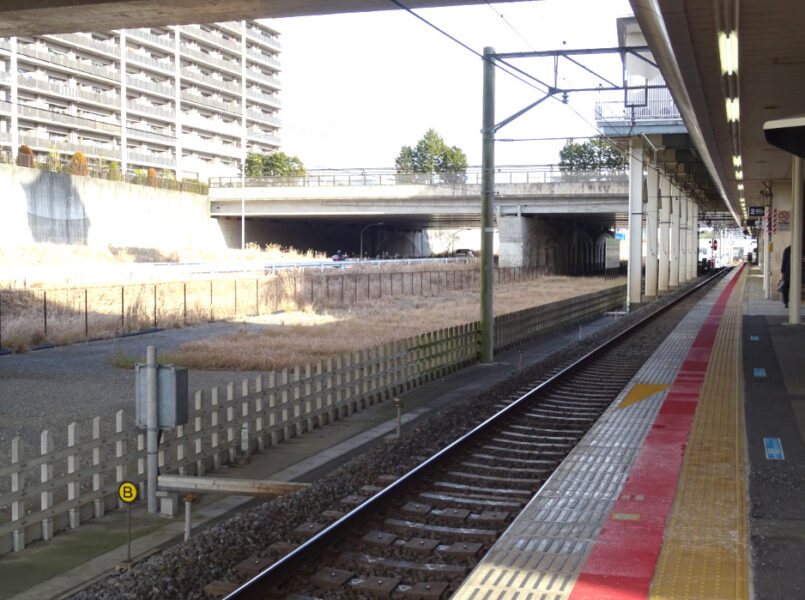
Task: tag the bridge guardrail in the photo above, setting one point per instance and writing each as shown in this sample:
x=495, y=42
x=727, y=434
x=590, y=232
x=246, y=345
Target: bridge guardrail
x=472, y=176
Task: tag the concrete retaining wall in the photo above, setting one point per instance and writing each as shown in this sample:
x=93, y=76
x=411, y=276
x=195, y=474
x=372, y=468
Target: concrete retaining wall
x=39, y=206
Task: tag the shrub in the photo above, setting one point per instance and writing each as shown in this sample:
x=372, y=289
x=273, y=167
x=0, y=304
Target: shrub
x=152, y=177
x=78, y=164
x=114, y=171
x=25, y=156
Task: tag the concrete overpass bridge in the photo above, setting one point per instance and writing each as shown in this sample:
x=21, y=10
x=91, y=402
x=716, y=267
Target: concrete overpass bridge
x=540, y=210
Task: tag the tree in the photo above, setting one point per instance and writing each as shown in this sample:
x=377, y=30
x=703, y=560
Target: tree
x=279, y=164
x=592, y=155
x=254, y=165
x=25, y=156
x=432, y=155
x=78, y=164
x=152, y=177
x=276, y=164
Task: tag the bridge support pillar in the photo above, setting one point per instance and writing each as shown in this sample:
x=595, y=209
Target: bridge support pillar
x=683, y=239
x=673, y=279
x=633, y=287
x=664, y=266
x=652, y=189
x=523, y=241
x=693, y=238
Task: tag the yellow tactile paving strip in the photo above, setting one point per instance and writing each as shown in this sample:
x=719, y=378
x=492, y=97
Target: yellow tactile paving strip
x=705, y=552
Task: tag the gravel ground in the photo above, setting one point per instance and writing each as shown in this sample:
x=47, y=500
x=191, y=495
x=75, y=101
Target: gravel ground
x=50, y=388
x=182, y=571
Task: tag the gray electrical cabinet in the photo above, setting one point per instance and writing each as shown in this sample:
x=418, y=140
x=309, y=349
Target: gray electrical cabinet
x=171, y=399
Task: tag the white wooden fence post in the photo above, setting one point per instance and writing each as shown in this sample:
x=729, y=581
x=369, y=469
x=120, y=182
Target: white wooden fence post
x=74, y=484
x=215, y=438
x=198, y=426
x=46, y=476
x=17, y=506
x=272, y=408
x=230, y=421
x=99, y=504
x=122, y=468
x=258, y=414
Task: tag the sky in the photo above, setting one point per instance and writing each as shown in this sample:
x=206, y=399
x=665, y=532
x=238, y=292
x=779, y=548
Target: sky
x=357, y=87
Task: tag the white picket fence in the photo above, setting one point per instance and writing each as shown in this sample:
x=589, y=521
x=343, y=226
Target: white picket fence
x=57, y=489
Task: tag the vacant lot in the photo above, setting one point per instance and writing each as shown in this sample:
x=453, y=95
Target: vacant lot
x=299, y=337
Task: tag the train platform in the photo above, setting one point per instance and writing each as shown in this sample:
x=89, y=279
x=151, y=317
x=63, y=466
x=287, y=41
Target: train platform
x=688, y=486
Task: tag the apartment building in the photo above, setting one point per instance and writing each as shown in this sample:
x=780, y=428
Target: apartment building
x=189, y=99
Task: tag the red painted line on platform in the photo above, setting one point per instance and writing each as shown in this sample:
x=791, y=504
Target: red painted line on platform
x=622, y=562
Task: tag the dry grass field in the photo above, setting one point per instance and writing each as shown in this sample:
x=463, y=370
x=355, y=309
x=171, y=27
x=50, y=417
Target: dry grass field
x=305, y=336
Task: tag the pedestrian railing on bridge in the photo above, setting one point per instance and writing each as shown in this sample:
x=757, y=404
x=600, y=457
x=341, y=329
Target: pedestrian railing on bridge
x=471, y=176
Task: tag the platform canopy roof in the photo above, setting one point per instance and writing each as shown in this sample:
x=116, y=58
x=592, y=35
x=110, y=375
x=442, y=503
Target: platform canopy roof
x=19, y=17
x=742, y=56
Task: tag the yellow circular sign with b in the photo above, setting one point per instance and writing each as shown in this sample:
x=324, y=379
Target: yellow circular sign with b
x=127, y=492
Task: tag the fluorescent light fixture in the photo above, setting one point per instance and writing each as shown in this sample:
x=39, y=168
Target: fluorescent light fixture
x=728, y=52
x=733, y=109
x=739, y=174
x=741, y=186
x=736, y=160
x=733, y=52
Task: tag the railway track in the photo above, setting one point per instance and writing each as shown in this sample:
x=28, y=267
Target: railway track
x=420, y=535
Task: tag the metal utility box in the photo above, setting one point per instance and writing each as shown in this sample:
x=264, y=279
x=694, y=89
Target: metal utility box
x=172, y=395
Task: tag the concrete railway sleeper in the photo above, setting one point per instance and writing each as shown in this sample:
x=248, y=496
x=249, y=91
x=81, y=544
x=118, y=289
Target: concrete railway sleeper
x=419, y=535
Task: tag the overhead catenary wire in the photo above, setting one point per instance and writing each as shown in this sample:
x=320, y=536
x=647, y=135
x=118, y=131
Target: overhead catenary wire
x=499, y=63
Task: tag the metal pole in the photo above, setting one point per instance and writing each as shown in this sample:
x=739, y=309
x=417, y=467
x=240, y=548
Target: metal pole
x=795, y=259
x=128, y=539
x=187, y=505
x=633, y=287
x=766, y=266
x=487, y=206
x=152, y=427
x=243, y=205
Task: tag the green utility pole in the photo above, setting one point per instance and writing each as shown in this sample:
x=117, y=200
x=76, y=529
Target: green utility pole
x=487, y=207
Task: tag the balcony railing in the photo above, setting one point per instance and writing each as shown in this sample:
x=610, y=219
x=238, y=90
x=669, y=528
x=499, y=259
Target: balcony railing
x=211, y=82
x=263, y=38
x=85, y=41
x=156, y=111
x=266, y=79
x=151, y=160
x=150, y=86
x=99, y=98
x=263, y=98
x=49, y=116
x=163, y=66
x=652, y=105
x=216, y=125
x=271, y=140
x=218, y=63
x=262, y=58
x=210, y=147
x=164, y=42
x=166, y=139
x=46, y=145
x=212, y=38
x=256, y=115
x=232, y=26
x=60, y=59
x=230, y=107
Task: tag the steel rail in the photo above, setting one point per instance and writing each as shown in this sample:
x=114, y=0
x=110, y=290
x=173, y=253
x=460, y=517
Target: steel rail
x=286, y=567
